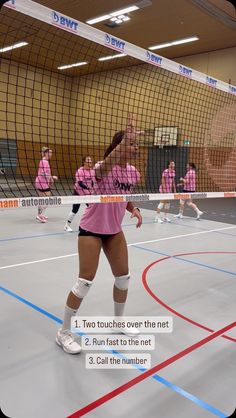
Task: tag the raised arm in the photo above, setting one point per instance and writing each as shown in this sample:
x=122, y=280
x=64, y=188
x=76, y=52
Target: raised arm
x=120, y=151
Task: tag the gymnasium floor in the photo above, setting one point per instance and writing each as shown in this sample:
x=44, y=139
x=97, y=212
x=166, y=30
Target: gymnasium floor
x=185, y=269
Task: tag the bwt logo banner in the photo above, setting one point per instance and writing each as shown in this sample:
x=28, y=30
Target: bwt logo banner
x=154, y=59
x=211, y=81
x=64, y=22
x=187, y=72
x=232, y=89
x=114, y=43
x=11, y=4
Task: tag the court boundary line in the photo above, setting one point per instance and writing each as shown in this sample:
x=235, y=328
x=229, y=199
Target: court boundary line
x=51, y=234
x=196, y=263
x=124, y=387
x=129, y=245
x=169, y=384
x=173, y=311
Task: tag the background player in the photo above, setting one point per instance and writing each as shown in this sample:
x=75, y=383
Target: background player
x=44, y=180
x=189, y=186
x=167, y=186
x=84, y=184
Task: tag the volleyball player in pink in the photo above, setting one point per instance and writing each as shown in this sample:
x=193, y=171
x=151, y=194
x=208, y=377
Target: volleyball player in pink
x=44, y=180
x=189, y=186
x=100, y=228
x=167, y=186
x=85, y=183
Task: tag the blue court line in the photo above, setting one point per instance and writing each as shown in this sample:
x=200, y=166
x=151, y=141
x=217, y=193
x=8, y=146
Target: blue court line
x=53, y=234
x=32, y=236
x=123, y=226
x=178, y=389
x=58, y=233
x=189, y=396
x=186, y=260
x=180, y=223
x=48, y=235
x=156, y=377
x=31, y=305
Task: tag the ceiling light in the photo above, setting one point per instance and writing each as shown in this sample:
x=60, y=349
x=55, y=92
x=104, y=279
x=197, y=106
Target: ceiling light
x=98, y=19
x=123, y=11
x=184, y=41
x=120, y=19
x=171, y=43
x=77, y=64
x=9, y=48
x=112, y=14
x=111, y=57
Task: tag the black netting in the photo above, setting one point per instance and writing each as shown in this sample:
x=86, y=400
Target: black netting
x=76, y=111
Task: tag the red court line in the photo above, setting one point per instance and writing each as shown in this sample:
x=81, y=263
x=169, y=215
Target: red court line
x=191, y=321
x=110, y=395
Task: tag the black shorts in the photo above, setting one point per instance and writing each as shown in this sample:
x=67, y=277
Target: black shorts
x=84, y=233
x=44, y=190
x=188, y=191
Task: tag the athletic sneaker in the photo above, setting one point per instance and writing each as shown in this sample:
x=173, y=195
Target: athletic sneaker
x=130, y=332
x=167, y=220
x=41, y=218
x=45, y=217
x=200, y=213
x=179, y=215
x=133, y=332
x=157, y=219
x=67, y=228
x=67, y=341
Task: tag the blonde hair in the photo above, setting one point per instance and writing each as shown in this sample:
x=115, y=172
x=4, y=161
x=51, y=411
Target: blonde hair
x=44, y=150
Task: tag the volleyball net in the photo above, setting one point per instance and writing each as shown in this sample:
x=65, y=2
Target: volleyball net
x=69, y=87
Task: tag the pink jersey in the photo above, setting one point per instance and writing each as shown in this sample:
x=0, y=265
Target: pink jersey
x=169, y=176
x=190, y=181
x=106, y=218
x=87, y=177
x=44, y=175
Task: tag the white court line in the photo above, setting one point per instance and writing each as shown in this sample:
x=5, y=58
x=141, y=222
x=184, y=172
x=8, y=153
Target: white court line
x=38, y=261
x=182, y=236
x=129, y=245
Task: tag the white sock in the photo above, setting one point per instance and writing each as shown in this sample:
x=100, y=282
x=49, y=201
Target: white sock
x=68, y=313
x=70, y=217
x=119, y=308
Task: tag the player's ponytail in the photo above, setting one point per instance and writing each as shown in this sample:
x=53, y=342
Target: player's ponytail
x=192, y=165
x=117, y=138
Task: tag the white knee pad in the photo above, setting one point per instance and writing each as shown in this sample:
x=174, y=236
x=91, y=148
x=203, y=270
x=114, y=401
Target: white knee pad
x=81, y=287
x=182, y=201
x=167, y=206
x=122, y=282
x=160, y=206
